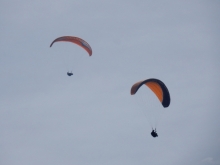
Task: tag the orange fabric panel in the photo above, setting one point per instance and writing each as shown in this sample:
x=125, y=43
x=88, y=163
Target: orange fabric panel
x=155, y=87
x=134, y=87
x=75, y=40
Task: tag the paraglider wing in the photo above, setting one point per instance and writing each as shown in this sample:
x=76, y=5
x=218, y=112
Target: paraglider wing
x=75, y=40
x=158, y=87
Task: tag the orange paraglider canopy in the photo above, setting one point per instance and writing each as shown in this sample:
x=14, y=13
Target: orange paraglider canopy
x=158, y=87
x=75, y=40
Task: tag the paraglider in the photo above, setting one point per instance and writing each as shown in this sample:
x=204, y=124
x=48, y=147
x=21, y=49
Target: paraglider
x=69, y=73
x=154, y=133
x=75, y=40
x=78, y=41
x=159, y=89
x=157, y=86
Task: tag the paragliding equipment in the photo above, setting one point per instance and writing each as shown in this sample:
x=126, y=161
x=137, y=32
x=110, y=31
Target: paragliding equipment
x=162, y=93
x=75, y=40
x=158, y=87
x=71, y=59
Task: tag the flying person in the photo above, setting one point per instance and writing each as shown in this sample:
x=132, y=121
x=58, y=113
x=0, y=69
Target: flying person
x=69, y=73
x=154, y=133
x=158, y=88
x=78, y=41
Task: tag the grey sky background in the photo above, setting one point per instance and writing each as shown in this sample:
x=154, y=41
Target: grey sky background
x=90, y=118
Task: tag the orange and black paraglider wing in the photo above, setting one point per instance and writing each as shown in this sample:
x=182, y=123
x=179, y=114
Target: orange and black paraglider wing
x=158, y=87
x=75, y=40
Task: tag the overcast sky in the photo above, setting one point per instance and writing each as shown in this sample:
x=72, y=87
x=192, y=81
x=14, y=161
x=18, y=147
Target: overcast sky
x=90, y=118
